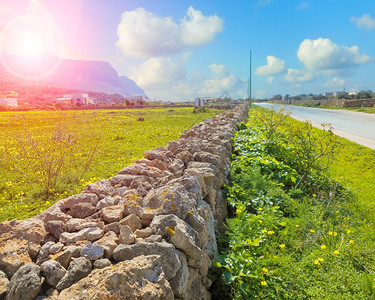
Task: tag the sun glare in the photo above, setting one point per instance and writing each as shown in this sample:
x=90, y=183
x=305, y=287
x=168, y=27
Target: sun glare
x=30, y=44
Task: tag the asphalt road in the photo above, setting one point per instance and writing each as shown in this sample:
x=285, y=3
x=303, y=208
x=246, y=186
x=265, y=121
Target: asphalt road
x=355, y=126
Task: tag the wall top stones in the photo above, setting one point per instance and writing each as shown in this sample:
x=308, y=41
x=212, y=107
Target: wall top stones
x=153, y=223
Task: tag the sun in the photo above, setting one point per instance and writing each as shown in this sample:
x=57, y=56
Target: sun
x=29, y=44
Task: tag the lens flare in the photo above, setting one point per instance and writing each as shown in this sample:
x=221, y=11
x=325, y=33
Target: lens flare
x=30, y=47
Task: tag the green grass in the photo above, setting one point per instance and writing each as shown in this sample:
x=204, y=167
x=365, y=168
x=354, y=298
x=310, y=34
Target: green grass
x=313, y=240
x=48, y=155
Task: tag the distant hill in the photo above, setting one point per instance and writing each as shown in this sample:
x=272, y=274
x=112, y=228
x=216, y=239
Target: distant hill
x=82, y=75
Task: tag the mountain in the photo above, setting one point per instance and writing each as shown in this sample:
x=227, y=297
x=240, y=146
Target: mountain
x=82, y=75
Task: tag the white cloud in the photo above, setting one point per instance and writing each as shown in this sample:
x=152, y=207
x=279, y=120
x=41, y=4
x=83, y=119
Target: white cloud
x=4, y=8
x=366, y=21
x=270, y=80
x=299, y=75
x=197, y=29
x=274, y=66
x=143, y=34
x=221, y=81
x=335, y=82
x=159, y=72
x=323, y=54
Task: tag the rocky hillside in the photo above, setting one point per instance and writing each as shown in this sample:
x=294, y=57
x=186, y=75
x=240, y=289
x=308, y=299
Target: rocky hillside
x=82, y=75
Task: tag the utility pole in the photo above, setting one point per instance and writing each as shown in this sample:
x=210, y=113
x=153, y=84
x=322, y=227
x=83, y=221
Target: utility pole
x=250, y=81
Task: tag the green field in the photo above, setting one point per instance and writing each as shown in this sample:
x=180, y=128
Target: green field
x=49, y=155
x=297, y=229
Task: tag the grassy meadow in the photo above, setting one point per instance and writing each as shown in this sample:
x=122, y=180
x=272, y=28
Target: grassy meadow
x=49, y=155
x=302, y=221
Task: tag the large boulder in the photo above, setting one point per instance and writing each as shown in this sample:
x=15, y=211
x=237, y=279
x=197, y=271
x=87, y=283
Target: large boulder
x=179, y=233
x=78, y=269
x=139, y=278
x=169, y=199
x=25, y=283
x=53, y=271
x=169, y=258
x=4, y=284
x=19, y=243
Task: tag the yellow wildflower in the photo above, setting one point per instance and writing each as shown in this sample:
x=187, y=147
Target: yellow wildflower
x=282, y=246
x=264, y=283
x=336, y=252
x=323, y=246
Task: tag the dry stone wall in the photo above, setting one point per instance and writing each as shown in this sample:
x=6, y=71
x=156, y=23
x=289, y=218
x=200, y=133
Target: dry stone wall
x=147, y=233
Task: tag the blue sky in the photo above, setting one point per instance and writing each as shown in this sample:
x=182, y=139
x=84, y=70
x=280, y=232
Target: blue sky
x=178, y=50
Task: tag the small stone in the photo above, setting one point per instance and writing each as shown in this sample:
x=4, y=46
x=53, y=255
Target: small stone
x=155, y=238
x=143, y=233
x=53, y=271
x=126, y=235
x=102, y=263
x=92, y=252
x=63, y=257
x=133, y=221
x=115, y=227
x=112, y=213
x=94, y=234
x=79, y=268
x=109, y=242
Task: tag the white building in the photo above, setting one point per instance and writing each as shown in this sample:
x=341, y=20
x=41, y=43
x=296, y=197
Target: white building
x=78, y=98
x=10, y=102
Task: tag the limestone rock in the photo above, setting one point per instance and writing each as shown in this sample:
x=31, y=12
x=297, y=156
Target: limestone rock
x=169, y=259
x=13, y=255
x=53, y=271
x=75, y=224
x=92, y=252
x=109, y=242
x=107, y=201
x=55, y=227
x=102, y=263
x=170, y=199
x=25, y=283
x=180, y=281
x=4, y=284
x=126, y=235
x=72, y=205
x=19, y=243
x=112, y=213
x=102, y=187
x=79, y=268
x=208, y=233
x=155, y=238
x=133, y=221
x=82, y=210
x=143, y=233
x=63, y=257
x=94, y=233
x=114, y=226
x=71, y=238
x=179, y=233
x=139, y=278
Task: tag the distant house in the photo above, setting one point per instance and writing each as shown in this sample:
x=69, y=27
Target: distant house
x=339, y=94
x=201, y=101
x=77, y=98
x=9, y=102
x=328, y=94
